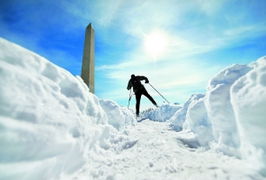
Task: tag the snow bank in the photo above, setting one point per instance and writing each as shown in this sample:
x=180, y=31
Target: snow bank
x=197, y=120
x=231, y=116
x=162, y=113
x=117, y=116
x=220, y=109
x=249, y=103
x=178, y=119
x=49, y=122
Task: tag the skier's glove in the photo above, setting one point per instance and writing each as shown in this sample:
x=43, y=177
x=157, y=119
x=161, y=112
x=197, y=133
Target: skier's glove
x=147, y=81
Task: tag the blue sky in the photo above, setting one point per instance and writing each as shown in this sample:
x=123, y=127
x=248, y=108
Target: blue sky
x=178, y=44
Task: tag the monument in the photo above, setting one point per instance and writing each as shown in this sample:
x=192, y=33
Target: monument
x=87, y=72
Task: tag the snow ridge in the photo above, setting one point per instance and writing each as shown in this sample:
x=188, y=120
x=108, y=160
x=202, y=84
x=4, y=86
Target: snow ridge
x=48, y=120
x=230, y=118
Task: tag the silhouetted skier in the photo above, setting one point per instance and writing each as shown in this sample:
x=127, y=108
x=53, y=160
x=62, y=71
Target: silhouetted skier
x=139, y=90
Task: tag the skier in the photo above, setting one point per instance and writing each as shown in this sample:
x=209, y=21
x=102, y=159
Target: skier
x=139, y=90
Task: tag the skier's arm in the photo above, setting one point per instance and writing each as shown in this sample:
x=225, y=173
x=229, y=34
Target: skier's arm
x=129, y=85
x=143, y=78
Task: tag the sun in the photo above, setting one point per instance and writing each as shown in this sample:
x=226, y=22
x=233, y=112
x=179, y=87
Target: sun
x=155, y=44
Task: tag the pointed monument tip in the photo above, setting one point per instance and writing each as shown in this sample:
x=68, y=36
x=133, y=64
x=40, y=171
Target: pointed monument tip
x=89, y=26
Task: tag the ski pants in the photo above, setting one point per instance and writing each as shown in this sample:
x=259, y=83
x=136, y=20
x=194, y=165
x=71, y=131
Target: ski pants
x=138, y=97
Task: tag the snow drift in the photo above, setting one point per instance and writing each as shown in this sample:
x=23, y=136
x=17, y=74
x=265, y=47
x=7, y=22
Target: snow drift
x=161, y=114
x=231, y=117
x=249, y=103
x=49, y=122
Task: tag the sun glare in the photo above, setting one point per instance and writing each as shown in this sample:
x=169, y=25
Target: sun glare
x=155, y=44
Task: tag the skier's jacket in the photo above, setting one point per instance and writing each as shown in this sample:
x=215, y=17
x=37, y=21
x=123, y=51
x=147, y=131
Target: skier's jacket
x=136, y=84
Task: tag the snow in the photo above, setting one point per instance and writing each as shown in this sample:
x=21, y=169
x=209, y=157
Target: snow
x=249, y=102
x=48, y=119
x=230, y=118
x=220, y=109
x=115, y=113
x=161, y=114
x=51, y=127
x=156, y=152
x=197, y=120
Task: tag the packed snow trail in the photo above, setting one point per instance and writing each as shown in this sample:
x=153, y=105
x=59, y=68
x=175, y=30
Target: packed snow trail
x=155, y=152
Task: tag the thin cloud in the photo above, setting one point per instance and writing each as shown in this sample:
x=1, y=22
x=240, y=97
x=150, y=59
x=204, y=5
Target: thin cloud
x=194, y=28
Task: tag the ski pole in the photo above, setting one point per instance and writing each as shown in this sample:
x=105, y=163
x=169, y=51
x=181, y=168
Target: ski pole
x=130, y=95
x=159, y=94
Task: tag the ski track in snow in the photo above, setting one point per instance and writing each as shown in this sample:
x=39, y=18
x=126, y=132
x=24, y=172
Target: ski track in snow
x=157, y=153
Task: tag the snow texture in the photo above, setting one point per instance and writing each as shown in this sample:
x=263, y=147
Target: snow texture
x=161, y=114
x=231, y=117
x=249, y=102
x=48, y=119
x=51, y=127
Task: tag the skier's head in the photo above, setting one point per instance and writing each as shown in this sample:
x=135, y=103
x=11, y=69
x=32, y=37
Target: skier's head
x=133, y=76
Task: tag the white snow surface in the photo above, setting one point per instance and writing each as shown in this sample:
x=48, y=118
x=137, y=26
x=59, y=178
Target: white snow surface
x=49, y=122
x=52, y=128
x=231, y=117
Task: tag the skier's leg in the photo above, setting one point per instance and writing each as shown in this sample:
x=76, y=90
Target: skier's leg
x=150, y=98
x=138, y=97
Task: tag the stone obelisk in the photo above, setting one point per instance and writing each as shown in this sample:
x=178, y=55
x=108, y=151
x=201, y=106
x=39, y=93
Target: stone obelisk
x=87, y=73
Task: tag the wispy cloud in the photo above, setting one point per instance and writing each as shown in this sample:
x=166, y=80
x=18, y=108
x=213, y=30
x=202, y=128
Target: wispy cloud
x=193, y=28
